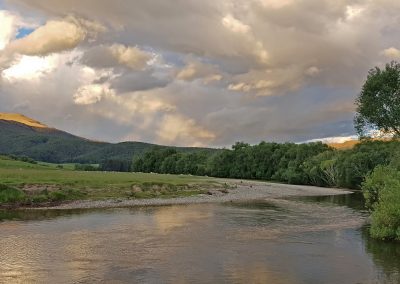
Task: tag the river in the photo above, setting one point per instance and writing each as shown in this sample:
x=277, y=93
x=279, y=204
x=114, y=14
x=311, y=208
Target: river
x=296, y=240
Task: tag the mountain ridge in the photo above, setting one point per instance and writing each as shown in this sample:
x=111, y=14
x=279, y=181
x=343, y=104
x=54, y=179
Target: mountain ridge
x=20, y=118
x=23, y=137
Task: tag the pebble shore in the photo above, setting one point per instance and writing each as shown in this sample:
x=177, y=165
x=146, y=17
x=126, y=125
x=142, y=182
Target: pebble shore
x=238, y=191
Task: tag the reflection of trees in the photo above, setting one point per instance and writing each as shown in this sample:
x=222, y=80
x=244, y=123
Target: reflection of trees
x=354, y=200
x=27, y=215
x=386, y=256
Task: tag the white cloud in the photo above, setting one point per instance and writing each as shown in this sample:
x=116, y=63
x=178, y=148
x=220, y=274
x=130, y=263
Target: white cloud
x=235, y=25
x=54, y=36
x=254, y=86
x=130, y=56
x=212, y=78
x=313, y=71
x=176, y=129
x=117, y=55
x=195, y=69
x=30, y=68
x=90, y=94
x=276, y=4
x=8, y=27
x=391, y=52
x=353, y=11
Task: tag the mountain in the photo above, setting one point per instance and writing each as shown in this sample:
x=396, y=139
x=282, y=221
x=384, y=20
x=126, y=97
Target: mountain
x=16, y=117
x=344, y=145
x=23, y=136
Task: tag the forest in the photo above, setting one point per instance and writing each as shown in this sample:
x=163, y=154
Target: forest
x=307, y=164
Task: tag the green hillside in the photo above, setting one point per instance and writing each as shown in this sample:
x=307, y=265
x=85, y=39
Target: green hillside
x=55, y=146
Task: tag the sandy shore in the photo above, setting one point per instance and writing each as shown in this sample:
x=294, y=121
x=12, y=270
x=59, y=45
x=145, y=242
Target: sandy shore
x=238, y=191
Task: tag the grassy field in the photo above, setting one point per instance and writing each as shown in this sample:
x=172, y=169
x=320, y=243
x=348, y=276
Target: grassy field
x=27, y=183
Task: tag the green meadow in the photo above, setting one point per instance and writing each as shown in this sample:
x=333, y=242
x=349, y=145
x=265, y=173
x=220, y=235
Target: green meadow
x=25, y=183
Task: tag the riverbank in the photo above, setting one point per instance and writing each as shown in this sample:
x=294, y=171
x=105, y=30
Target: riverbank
x=25, y=185
x=236, y=190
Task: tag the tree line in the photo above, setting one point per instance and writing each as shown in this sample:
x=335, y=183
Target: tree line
x=306, y=164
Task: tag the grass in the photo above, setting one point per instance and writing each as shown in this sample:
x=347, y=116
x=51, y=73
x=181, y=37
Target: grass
x=10, y=194
x=40, y=183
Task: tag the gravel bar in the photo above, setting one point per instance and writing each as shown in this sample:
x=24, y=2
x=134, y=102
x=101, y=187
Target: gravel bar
x=239, y=190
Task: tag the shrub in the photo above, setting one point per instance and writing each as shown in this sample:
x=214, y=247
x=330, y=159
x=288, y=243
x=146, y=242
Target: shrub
x=10, y=194
x=57, y=196
x=382, y=193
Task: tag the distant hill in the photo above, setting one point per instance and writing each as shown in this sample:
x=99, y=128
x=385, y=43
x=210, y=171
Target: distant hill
x=344, y=145
x=351, y=143
x=23, y=136
x=16, y=117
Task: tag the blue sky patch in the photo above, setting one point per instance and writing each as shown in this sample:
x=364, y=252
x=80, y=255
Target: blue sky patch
x=23, y=32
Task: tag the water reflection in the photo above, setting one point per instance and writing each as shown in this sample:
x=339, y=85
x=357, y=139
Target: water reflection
x=354, y=200
x=386, y=256
x=169, y=218
x=277, y=241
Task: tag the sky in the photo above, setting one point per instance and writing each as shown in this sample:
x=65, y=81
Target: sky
x=193, y=73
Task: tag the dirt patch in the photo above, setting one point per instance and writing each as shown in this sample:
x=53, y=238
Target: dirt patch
x=38, y=188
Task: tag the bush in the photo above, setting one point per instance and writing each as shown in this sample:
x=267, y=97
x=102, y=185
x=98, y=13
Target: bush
x=57, y=196
x=10, y=194
x=382, y=193
x=373, y=184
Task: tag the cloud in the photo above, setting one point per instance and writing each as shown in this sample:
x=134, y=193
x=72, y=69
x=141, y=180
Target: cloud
x=392, y=53
x=8, y=27
x=195, y=69
x=139, y=81
x=271, y=82
x=132, y=57
x=178, y=130
x=238, y=70
x=30, y=68
x=90, y=94
x=116, y=55
x=312, y=71
x=235, y=25
x=255, y=46
x=55, y=36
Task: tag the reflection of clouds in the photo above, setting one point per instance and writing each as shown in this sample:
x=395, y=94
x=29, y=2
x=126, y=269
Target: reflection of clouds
x=79, y=250
x=254, y=273
x=20, y=258
x=174, y=217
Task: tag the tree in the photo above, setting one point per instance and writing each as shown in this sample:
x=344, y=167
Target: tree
x=378, y=106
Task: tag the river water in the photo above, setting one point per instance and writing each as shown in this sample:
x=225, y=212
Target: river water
x=297, y=240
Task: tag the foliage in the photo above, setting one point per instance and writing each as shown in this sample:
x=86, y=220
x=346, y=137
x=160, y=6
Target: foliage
x=355, y=164
x=378, y=106
x=312, y=163
x=113, y=165
x=385, y=222
x=382, y=193
x=281, y=162
x=323, y=169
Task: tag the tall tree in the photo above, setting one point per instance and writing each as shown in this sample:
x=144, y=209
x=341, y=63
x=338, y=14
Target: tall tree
x=378, y=106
